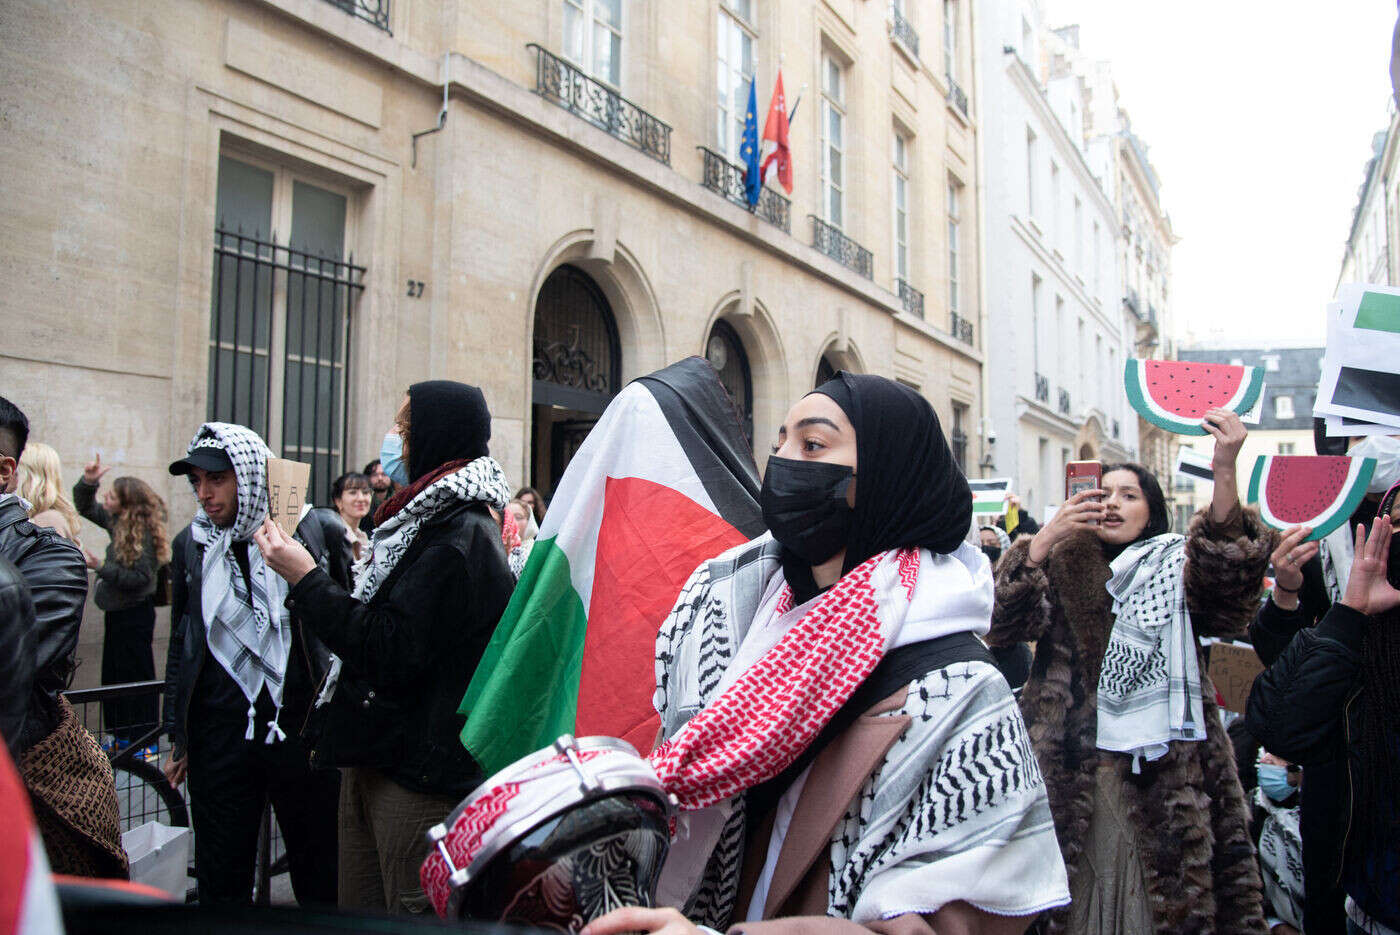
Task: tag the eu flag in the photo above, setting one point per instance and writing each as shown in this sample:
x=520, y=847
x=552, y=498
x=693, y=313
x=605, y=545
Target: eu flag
x=748, y=149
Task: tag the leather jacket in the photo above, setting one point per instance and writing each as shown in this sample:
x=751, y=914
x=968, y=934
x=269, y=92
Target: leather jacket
x=16, y=629
x=56, y=574
x=185, y=658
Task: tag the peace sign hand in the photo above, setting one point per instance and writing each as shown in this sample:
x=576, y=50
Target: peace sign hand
x=93, y=471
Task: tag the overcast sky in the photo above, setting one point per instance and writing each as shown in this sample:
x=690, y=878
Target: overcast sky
x=1259, y=118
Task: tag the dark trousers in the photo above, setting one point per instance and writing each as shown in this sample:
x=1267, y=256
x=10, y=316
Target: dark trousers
x=230, y=779
x=127, y=657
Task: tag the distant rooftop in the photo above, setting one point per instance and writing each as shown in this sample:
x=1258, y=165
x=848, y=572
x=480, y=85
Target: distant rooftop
x=1288, y=371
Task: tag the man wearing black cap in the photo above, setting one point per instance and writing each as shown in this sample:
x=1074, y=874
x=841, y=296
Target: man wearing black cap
x=239, y=679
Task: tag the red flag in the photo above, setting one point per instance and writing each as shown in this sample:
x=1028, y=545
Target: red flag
x=777, y=154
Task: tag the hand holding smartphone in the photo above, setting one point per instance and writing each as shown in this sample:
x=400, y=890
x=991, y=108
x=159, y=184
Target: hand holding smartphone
x=1082, y=475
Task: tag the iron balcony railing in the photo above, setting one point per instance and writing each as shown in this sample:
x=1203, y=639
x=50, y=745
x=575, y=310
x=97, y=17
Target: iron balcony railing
x=727, y=179
x=957, y=96
x=375, y=12
x=961, y=328
x=1152, y=315
x=912, y=298
x=901, y=30
x=1117, y=429
x=558, y=81
x=841, y=248
x=1134, y=304
x=1064, y=401
x=1042, y=388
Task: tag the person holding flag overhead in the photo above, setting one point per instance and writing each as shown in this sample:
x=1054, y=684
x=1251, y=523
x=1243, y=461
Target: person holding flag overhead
x=824, y=697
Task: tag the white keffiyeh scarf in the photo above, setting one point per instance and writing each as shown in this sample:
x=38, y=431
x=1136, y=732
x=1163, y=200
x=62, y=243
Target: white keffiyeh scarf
x=1150, y=684
x=481, y=481
x=248, y=632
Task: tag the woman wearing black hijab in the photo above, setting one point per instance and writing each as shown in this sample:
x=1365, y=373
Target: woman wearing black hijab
x=407, y=640
x=847, y=753
x=1147, y=800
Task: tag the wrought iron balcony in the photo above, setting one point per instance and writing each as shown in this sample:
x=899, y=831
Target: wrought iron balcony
x=957, y=96
x=960, y=327
x=727, y=179
x=375, y=12
x=558, y=81
x=1134, y=304
x=1064, y=401
x=1152, y=315
x=912, y=298
x=901, y=31
x=1042, y=388
x=1117, y=429
x=841, y=248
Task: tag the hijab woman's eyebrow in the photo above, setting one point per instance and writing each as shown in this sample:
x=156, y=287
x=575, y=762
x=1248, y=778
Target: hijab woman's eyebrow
x=816, y=420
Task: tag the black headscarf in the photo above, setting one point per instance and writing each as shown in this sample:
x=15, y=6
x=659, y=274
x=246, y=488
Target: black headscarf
x=910, y=492
x=447, y=421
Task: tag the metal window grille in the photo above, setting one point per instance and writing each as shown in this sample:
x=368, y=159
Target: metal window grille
x=1042, y=388
x=727, y=179
x=957, y=96
x=280, y=325
x=961, y=328
x=901, y=31
x=375, y=12
x=912, y=299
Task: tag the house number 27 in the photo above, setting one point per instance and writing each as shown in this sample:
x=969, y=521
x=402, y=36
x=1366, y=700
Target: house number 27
x=415, y=288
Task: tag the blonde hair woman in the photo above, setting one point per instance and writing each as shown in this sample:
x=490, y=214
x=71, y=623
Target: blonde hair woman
x=41, y=483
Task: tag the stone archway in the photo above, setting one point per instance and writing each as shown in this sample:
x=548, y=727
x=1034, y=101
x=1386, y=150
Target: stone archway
x=757, y=336
x=837, y=354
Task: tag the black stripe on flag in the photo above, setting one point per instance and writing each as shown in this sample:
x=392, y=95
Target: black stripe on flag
x=706, y=423
x=1372, y=390
x=1192, y=469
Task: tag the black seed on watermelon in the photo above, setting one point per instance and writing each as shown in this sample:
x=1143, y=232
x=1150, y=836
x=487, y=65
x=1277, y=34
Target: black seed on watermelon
x=1301, y=487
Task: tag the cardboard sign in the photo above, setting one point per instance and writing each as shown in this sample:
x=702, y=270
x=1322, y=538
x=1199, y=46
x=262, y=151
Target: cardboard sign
x=287, y=491
x=1233, y=668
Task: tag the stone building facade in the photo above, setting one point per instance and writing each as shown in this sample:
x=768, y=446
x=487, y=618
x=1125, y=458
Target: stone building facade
x=283, y=212
x=1061, y=335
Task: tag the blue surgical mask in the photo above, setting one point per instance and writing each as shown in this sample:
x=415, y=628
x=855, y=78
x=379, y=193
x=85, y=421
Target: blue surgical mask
x=391, y=459
x=1273, y=779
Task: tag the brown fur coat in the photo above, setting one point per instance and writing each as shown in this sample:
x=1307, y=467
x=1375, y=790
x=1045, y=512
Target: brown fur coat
x=1187, y=808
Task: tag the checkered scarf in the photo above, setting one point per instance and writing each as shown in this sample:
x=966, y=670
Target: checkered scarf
x=1150, y=684
x=248, y=631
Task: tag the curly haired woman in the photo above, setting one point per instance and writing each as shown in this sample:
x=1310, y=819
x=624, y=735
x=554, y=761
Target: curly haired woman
x=134, y=515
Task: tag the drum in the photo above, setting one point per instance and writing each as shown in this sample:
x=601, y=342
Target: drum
x=554, y=840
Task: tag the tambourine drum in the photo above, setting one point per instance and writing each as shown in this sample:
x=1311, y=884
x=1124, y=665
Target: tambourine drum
x=554, y=840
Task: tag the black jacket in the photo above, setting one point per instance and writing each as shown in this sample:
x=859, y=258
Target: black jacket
x=119, y=586
x=56, y=574
x=322, y=531
x=1305, y=707
x=409, y=653
x=16, y=629
x=194, y=682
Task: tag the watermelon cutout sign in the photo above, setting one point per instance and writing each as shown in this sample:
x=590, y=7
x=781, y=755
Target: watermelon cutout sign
x=1321, y=491
x=1175, y=394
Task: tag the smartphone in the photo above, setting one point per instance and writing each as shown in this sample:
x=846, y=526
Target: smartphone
x=1082, y=475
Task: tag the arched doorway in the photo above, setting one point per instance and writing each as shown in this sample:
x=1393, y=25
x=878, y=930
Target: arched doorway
x=825, y=370
x=577, y=370
x=725, y=352
x=1087, y=453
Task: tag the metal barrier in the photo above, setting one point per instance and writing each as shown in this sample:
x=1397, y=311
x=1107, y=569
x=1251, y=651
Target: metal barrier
x=137, y=748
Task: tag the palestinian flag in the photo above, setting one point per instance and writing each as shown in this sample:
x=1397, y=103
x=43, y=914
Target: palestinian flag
x=28, y=901
x=664, y=481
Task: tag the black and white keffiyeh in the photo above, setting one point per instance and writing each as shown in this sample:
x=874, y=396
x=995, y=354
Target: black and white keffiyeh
x=248, y=632
x=480, y=481
x=1150, y=684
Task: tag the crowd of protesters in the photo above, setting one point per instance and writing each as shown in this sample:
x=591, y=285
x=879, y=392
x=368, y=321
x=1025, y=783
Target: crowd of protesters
x=322, y=673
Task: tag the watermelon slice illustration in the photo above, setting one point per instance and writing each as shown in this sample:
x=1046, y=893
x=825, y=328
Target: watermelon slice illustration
x=1321, y=491
x=1175, y=394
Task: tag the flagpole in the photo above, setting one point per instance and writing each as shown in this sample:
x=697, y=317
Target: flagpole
x=795, y=103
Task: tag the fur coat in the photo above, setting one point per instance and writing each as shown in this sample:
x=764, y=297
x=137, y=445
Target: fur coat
x=1187, y=808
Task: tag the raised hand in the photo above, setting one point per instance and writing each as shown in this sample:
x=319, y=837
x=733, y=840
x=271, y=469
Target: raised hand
x=1229, y=433
x=283, y=554
x=93, y=470
x=1368, y=589
x=1289, y=557
x=1081, y=511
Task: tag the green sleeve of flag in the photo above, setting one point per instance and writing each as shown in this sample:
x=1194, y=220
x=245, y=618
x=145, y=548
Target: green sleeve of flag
x=524, y=693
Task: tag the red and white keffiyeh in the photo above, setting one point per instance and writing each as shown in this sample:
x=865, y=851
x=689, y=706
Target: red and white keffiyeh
x=757, y=726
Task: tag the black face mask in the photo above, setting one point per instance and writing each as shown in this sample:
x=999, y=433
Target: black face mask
x=804, y=506
x=993, y=552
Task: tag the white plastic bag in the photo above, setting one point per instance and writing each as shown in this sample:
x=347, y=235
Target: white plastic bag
x=159, y=856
